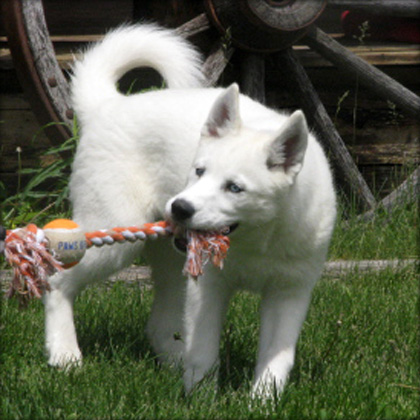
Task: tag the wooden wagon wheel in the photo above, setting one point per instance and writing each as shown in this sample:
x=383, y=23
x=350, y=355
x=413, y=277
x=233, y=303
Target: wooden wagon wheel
x=39, y=73
x=259, y=27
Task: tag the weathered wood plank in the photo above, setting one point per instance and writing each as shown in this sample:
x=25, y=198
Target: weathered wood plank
x=369, y=76
x=375, y=54
x=339, y=268
x=34, y=58
x=18, y=129
x=66, y=47
x=87, y=17
x=386, y=154
x=142, y=274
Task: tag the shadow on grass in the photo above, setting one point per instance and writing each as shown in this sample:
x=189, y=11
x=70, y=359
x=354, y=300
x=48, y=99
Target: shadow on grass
x=110, y=322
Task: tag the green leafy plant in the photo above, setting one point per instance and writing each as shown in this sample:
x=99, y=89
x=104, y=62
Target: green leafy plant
x=363, y=32
x=47, y=188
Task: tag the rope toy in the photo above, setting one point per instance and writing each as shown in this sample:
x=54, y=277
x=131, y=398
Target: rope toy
x=35, y=253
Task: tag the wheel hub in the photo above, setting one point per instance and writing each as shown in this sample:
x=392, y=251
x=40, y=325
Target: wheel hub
x=263, y=25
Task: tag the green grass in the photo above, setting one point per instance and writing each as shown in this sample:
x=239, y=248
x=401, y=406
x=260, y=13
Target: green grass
x=388, y=236
x=357, y=357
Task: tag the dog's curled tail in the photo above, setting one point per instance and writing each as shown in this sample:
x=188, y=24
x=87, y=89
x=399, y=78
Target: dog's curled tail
x=128, y=47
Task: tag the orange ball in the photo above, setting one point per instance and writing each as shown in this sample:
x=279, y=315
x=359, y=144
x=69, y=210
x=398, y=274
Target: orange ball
x=66, y=241
x=61, y=224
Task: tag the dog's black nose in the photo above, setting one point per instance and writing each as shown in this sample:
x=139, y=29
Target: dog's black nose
x=182, y=210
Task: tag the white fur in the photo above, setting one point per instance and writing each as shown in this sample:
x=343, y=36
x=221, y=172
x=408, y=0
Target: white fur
x=139, y=154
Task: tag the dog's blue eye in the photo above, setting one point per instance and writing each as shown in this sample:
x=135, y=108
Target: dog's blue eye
x=233, y=188
x=199, y=171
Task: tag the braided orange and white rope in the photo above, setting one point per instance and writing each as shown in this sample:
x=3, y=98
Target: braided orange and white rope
x=121, y=234
x=29, y=252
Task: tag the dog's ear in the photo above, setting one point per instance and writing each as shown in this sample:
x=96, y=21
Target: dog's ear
x=288, y=148
x=224, y=114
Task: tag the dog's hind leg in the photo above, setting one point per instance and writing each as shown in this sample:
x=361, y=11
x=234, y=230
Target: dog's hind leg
x=282, y=314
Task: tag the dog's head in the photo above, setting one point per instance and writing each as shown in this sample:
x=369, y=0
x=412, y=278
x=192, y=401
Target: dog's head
x=239, y=174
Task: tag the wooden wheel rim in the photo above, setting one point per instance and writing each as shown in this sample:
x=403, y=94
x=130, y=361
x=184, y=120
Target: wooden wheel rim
x=288, y=15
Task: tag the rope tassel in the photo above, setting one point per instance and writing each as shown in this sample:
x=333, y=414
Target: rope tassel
x=26, y=252
x=203, y=247
x=35, y=254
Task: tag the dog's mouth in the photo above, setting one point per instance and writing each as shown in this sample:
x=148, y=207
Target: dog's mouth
x=180, y=240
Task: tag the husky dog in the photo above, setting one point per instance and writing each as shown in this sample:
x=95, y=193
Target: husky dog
x=205, y=159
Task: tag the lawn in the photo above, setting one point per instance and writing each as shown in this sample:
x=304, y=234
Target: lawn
x=357, y=357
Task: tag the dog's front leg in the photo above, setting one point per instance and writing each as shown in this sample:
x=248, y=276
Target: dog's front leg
x=165, y=328
x=282, y=314
x=206, y=305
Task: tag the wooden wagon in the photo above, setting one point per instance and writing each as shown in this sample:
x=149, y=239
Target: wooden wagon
x=359, y=94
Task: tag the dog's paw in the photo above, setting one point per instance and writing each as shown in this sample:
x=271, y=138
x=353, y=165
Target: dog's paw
x=268, y=387
x=196, y=379
x=65, y=359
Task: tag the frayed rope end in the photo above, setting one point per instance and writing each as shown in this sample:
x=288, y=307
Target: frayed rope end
x=26, y=251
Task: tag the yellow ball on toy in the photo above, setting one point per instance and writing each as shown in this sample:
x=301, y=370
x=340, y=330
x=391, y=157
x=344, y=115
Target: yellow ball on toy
x=66, y=241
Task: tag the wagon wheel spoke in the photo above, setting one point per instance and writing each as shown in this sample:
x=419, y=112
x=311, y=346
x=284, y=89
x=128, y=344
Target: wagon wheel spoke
x=407, y=192
x=368, y=75
x=216, y=63
x=346, y=170
x=253, y=76
x=194, y=26
x=37, y=68
x=219, y=55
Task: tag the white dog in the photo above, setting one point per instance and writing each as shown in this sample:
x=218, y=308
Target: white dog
x=205, y=159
